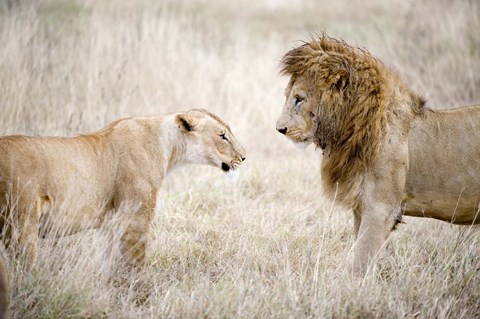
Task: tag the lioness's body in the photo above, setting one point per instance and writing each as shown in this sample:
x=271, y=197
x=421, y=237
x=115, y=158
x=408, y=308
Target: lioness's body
x=384, y=153
x=88, y=188
x=82, y=189
x=71, y=184
x=442, y=180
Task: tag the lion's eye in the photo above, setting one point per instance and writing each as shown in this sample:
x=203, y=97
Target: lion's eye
x=224, y=137
x=298, y=100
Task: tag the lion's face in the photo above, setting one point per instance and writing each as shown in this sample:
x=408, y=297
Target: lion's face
x=210, y=141
x=297, y=120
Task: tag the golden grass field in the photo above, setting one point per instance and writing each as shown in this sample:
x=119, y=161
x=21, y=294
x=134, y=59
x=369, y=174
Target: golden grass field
x=269, y=245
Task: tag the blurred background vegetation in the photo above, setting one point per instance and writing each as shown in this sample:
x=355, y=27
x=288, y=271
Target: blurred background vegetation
x=270, y=245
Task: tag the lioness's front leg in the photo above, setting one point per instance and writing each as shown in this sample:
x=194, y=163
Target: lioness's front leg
x=134, y=239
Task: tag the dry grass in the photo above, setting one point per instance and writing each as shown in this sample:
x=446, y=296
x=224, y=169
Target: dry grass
x=269, y=245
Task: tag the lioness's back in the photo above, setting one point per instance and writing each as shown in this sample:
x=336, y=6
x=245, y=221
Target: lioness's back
x=26, y=157
x=54, y=174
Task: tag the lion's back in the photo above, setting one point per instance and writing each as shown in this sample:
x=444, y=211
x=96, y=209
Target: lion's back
x=444, y=171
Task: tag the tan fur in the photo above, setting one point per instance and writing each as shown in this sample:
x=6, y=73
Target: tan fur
x=66, y=184
x=384, y=153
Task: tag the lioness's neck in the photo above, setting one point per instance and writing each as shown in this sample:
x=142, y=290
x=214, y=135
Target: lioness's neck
x=157, y=138
x=172, y=143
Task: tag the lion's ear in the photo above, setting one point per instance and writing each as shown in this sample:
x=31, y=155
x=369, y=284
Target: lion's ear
x=336, y=73
x=341, y=80
x=186, y=122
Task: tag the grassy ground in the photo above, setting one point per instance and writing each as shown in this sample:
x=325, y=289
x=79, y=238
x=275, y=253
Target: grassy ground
x=268, y=245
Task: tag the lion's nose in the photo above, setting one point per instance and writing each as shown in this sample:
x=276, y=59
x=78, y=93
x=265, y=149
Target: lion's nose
x=282, y=130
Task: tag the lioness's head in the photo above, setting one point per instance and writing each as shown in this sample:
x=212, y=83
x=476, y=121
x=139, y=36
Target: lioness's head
x=210, y=141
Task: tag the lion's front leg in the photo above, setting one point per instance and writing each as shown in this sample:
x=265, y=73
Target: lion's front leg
x=357, y=220
x=374, y=228
x=378, y=208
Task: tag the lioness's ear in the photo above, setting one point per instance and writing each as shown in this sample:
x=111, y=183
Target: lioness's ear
x=186, y=122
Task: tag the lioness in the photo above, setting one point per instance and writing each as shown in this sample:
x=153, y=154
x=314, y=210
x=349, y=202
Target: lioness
x=124, y=163
x=384, y=153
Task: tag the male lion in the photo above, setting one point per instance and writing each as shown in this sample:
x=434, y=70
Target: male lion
x=120, y=165
x=384, y=153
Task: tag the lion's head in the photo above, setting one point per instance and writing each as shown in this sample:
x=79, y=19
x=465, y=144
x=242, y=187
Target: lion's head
x=209, y=140
x=328, y=81
x=337, y=98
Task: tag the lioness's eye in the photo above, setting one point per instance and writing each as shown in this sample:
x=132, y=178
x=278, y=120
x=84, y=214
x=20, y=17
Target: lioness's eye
x=224, y=137
x=298, y=100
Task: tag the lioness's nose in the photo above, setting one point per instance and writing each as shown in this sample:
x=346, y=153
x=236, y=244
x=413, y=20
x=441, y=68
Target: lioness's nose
x=282, y=130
